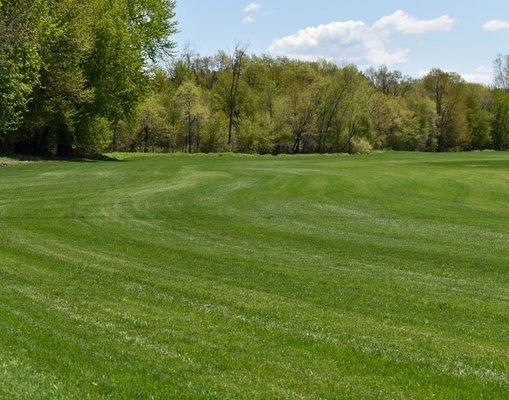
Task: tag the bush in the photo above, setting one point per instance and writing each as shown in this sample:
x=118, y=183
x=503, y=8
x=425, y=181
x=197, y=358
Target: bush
x=95, y=137
x=212, y=137
x=360, y=146
x=253, y=138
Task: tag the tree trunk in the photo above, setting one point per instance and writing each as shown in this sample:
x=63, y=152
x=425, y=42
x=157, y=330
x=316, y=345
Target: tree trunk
x=189, y=143
x=115, y=136
x=296, y=144
x=145, y=139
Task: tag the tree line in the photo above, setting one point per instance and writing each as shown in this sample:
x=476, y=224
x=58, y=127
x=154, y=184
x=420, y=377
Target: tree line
x=266, y=105
x=84, y=77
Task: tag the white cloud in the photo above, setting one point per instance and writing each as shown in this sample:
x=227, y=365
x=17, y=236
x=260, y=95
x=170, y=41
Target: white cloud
x=400, y=21
x=483, y=74
x=252, y=8
x=495, y=25
x=248, y=20
x=355, y=41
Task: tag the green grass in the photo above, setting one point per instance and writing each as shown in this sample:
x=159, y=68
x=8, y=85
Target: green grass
x=221, y=277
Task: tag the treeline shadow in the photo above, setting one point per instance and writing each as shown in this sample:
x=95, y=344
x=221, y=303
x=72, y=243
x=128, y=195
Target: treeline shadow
x=78, y=159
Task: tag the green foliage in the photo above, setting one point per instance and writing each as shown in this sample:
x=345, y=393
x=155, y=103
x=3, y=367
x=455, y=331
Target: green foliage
x=424, y=122
x=189, y=99
x=360, y=145
x=22, y=33
x=500, y=119
x=447, y=90
x=153, y=130
x=400, y=124
x=65, y=63
x=95, y=136
x=288, y=106
x=254, y=138
x=213, y=138
x=478, y=122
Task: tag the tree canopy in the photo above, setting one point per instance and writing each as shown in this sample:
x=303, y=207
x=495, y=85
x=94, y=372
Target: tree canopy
x=85, y=77
x=289, y=106
x=66, y=64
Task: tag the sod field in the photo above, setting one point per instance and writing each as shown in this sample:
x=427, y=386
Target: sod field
x=255, y=277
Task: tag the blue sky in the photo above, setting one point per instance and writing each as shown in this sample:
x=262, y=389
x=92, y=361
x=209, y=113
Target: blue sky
x=412, y=36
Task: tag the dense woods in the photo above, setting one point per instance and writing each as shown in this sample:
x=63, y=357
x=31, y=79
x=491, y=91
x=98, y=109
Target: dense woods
x=87, y=77
x=261, y=104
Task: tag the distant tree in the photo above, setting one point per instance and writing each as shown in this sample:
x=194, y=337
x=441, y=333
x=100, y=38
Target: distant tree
x=424, y=119
x=333, y=107
x=501, y=71
x=49, y=125
x=500, y=119
x=154, y=132
x=297, y=112
x=190, y=101
x=24, y=25
x=395, y=124
x=122, y=47
x=390, y=83
x=478, y=121
x=447, y=90
x=236, y=71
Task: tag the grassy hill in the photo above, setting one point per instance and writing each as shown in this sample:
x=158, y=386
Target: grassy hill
x=214, y=277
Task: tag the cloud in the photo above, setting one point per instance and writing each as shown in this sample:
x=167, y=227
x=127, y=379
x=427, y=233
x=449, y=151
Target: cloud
x=495, y=25
x=248, y=20
x=252, y=8
x=483, y=74
x=401, y=22
x=355, y=41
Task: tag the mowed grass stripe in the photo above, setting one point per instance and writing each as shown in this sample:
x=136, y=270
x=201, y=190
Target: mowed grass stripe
x=256, y=277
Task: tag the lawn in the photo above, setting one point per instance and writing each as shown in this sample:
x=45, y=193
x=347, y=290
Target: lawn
x=249, y=277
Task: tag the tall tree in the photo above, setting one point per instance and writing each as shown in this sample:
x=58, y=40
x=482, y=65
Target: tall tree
x=500, y=119
x=297, y=111
x=478, y=121
x=24, y=25
x=49, y=125
x=236, y=71
x=189, y=99
x=335, y=109
x=447, y=90
x=390, y=83
x=501, y=70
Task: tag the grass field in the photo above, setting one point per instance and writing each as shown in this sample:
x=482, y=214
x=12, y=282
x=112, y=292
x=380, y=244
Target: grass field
x=221, y=277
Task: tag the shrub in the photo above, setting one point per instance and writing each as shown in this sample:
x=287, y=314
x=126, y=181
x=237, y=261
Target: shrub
x=95, y=137
x=360, y=146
